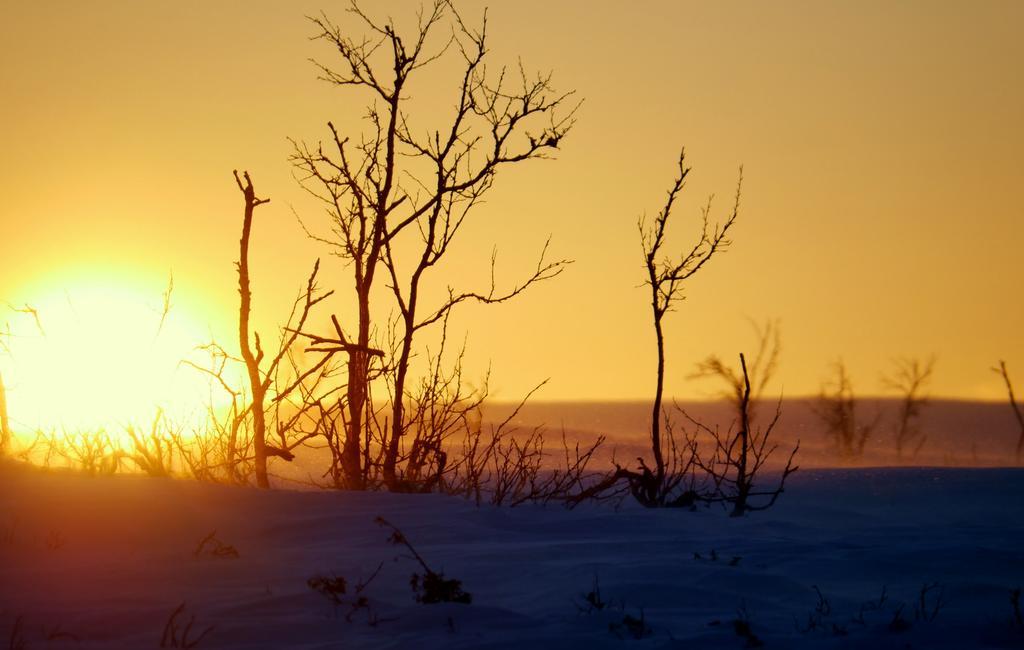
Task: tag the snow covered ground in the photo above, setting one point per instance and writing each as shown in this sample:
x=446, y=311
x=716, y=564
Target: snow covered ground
x=103, y=563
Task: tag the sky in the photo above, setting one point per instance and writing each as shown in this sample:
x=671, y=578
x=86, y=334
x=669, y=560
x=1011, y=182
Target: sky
x=880, y=143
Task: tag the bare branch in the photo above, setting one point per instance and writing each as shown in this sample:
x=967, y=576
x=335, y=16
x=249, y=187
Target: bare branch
x=1004, y=373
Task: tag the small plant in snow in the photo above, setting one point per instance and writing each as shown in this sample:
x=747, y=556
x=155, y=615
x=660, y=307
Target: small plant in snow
x=177, y=635
x=214, y=547
x=335, y=589
x=713, y=557
x=631, y=627
x=871, y=606
x=741, y=626
x=593, y=601
x=818, y=619
x=898, y=624
x=435, y=588
x=928, y=606
x=430, y=587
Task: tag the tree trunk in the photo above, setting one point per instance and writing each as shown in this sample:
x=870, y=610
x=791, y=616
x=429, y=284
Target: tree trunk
x=659, y=461
x=1016, y=409
x=743, y=482
x=398, y=407
x=252, y=361
x=358, y=375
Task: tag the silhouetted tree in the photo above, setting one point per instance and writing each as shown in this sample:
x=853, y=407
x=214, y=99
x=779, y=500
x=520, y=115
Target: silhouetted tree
x=837, y=409
x=264, y=391
x=670, y=482
x=153, y=453
x=392, y=178
x=665, y=279
x=1004, y=373
x=910, y=377
x=222, y=450
x=737, y=457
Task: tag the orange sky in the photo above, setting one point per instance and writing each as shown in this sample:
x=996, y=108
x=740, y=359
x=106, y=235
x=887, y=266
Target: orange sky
x=881, y=144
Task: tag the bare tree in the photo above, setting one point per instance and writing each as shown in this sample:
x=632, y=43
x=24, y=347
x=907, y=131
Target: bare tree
x=263, y=384
x=153, y=453
x=737, y=458
x=394, y=178
x=910, y=377
x=1004, y=373
x=222, y=450
x=837, y=409
x=93, y=452
x=672, y=480
x=665, y=278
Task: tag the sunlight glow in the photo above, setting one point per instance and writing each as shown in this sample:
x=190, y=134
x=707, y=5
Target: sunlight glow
x=99, y=357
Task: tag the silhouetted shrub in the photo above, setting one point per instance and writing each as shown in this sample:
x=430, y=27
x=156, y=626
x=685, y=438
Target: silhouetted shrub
x=898, y=624
x=910, y=378
x=930, y=601
x=430, y=587
x=631, y=627
x=177, y=635
x=837, y=409
x=741, y=626
x=435, y=588
x=333, y=588
x=592, y=600
x=214, y=547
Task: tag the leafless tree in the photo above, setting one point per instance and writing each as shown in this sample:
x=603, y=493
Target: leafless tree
x=671, y=482
x=438, y=412
x=665, y=278
x=737, y=458
x=1005, y=374
x=153, y=453
x=266, y=391
x=837, y=409
x=393, y=178
x=93, y=452
x=910, y=377
x=222, y=449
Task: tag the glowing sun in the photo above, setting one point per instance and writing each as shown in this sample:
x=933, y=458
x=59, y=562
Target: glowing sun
x=99, y=355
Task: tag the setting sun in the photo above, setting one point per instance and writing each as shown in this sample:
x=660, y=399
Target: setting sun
x=98, y=354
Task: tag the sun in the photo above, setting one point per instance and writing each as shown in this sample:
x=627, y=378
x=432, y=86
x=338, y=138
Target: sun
x=101, y=354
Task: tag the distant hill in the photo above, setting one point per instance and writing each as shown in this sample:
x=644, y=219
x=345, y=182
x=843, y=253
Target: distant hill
x=959, y=433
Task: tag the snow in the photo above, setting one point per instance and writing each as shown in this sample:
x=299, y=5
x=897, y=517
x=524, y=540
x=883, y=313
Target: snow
x=106, y=560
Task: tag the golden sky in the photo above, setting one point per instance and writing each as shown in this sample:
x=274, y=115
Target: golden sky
x=881, y=143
